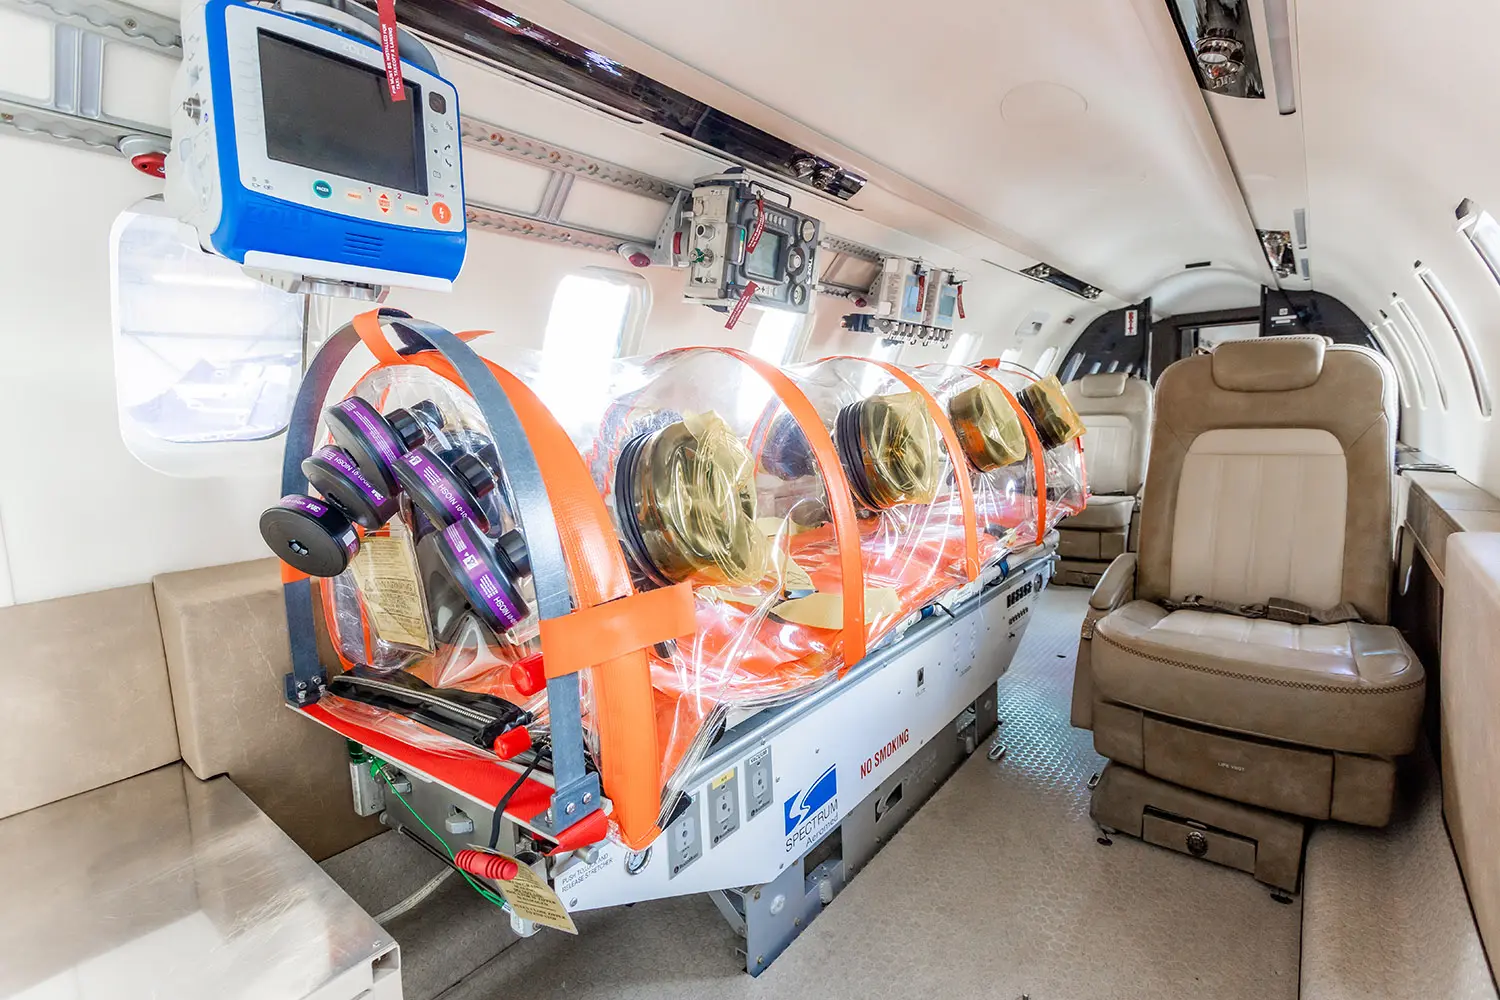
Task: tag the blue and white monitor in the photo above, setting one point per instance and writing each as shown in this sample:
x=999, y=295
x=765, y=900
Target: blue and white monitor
x=290, y=156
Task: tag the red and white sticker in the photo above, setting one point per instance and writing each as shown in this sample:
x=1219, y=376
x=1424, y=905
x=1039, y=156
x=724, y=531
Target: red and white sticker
x=961, y=301
x=390, y=51
x=739, y=307
x=759, y=228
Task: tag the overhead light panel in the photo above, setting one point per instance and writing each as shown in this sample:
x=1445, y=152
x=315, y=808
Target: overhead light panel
x=1279, y=39
x=1052, y=276
x=1219, y=40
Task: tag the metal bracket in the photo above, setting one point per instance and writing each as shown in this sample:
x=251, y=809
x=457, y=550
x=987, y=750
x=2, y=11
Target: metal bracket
x=119, y=21
x=500, y=140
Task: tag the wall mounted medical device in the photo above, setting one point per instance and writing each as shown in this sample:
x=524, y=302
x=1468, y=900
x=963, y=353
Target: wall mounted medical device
x=741, y=249
x=290, y=156
x=911, y=303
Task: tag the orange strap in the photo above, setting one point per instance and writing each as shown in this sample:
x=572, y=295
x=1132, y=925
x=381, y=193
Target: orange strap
x=840, y=499
x=1038, y=459
x=624, y=700
x=611, y=631
x=372, y=335
x=955, y=454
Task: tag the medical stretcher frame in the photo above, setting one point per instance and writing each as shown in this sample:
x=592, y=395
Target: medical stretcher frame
x=789, y=801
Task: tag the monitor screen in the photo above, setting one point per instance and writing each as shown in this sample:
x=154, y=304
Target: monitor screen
x=765, y=260
x=911, y=305
x=947, y=300
x=329, y=114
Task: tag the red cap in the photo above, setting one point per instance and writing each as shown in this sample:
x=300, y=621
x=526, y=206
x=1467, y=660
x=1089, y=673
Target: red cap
x=154, y=164
x=640, y=259
x=512, y=742
x=528, y=674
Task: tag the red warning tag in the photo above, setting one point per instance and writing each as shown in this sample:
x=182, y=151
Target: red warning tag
x=390, y=51
x=739, y=307
x=961, y=301
x=760, y=226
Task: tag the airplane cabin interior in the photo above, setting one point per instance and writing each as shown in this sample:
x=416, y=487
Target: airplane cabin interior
x=845, y=500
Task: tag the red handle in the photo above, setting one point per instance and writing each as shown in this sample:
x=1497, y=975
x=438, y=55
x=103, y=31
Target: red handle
x=485, y=865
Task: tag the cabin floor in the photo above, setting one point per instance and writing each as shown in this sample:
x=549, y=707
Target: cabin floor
x=998, y=887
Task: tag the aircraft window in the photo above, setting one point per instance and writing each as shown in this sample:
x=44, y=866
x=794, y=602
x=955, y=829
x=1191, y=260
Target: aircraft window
x=963, y=349
x=1483, y=234
x=1397, y=365
x=1407, y=379
x=1455, y=320
x=1044, y=363
x=1011, y=354
x=1114, y=366
x=1071, y=368
x=204, y=354
x=589, y=317
x=1420, y=336
x=776, y=336
x=1094, y=368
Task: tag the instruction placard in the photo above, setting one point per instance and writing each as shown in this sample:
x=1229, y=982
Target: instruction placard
x=386, y=571
x=533, y=899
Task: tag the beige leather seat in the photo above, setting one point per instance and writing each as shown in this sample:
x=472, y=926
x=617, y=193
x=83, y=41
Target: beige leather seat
x=1270, y=477
x=1117, y=411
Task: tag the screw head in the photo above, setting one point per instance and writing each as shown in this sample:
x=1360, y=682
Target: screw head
x=572, y=808
x=588, y=797
x=130, y=24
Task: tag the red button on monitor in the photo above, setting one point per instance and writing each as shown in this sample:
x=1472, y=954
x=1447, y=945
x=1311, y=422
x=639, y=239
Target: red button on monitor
x=441, y=212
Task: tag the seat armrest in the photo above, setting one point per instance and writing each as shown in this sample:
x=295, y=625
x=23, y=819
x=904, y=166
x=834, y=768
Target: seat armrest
x=1116, y=586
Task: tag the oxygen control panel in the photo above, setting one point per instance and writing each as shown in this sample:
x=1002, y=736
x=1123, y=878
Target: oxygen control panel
x=741, y=249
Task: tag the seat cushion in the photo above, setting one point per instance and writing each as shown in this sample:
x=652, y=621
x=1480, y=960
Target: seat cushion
x=1104, y=513
x=1355, y=688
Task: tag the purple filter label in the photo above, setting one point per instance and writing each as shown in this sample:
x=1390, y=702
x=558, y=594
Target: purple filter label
x=441, y=485
x=339, y=459
x=481, y=577
x=364, y=414
x=305, y=504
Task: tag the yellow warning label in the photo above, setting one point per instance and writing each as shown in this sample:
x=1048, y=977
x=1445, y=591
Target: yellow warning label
x=723, y=779
x=533, y=899
x=386, y=571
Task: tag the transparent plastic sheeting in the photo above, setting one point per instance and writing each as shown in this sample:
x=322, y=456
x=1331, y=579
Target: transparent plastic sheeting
x=711, y=480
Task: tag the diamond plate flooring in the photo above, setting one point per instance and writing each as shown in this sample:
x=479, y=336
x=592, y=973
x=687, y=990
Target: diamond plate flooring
x=997, y=888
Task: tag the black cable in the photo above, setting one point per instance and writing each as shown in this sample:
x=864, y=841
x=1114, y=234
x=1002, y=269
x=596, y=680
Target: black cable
x=536, y=758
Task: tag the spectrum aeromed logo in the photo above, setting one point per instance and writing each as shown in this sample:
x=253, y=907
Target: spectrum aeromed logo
x=811, y=812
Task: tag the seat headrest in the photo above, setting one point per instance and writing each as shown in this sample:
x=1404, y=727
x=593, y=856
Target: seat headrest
x=1268, y=364
x=1102, y=386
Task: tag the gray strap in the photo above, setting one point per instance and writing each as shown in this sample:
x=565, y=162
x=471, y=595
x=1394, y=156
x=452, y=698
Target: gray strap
x=577, y=791
x=1277, y=609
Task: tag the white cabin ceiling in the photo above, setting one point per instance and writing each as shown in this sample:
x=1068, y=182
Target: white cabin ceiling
x=1074, y=126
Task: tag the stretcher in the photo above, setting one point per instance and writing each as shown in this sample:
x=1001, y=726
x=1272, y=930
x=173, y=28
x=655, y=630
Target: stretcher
x=721, y=551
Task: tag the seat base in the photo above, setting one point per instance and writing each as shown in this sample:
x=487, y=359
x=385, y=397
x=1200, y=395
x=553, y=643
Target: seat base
x=1303, y=781
x=1265, y=844
x=1078, y=572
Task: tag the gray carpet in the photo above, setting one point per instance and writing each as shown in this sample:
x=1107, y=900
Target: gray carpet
x=1385, y=913
x=996, y=888
x=446, y=937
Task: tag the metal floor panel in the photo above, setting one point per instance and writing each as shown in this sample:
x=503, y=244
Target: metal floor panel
x=996, y=889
